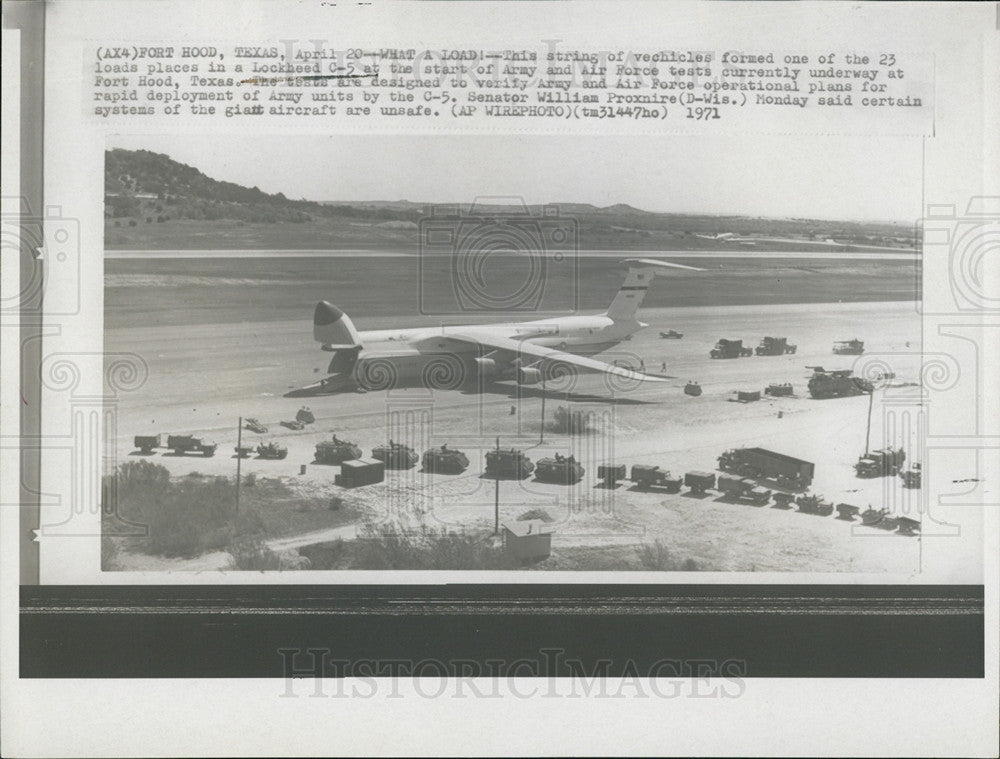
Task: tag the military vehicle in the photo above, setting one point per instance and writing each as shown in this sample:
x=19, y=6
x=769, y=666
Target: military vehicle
x=911, y=476
x=729, y=349
x=746, y=396
x=396, y=455
x=254, y=425
x=293, y=424
x=849, y=347
x=837, y=383
x=563, y=470
x=305, y=416
x=742, y=488
x=775, y=346
x=445, y=460
x=847, y=512
x=692, y=388
x=908, y=526
x=783, y=500
x=272, y=451
x=777, y=390
x=242, y=451
x=645, y=477
x=610, y=474
x=885, y=462
x=873, y=517
x=699, y=482
x=671, y=334
x=814, y=504
x=146, y=443
x=183, y=444
x=336, y=451
x=759, y=463
x=508, y=463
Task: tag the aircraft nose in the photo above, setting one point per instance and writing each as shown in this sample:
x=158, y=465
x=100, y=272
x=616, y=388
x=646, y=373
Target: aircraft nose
x=643, y=325
x=326, y=313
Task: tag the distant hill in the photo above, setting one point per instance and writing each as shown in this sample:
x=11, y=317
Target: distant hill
x=154, y=202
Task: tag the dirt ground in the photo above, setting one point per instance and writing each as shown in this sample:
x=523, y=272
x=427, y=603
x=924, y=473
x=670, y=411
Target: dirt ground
x=201, y=379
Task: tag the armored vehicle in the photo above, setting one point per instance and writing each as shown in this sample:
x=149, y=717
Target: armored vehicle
x=182, y=444
x=254, y=425
x=671, y=334
x=699, y=482
x=645, y=477
x=814, y=504
x=305, y=416
x=838, y=383
x=563, y=470
x=336, y=451
x=146, y=443
x=873, y=517
x=730, y=349
x=885, y=462
x=508, y=463
x=775, y=346
x=396, y=455
x=445, y=460
x=272, y=451
x=849, y=347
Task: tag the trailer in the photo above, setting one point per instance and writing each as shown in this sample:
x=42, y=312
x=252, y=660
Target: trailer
x=360, y=472
x=611, y=474
x=747, y=396
x=146, y=443
x=762, y=464
x=783, y=500
x=730, y=349
x=775, y=346
x=776, y=390
x=647, y=477
x=699, y=482
x=183, y=444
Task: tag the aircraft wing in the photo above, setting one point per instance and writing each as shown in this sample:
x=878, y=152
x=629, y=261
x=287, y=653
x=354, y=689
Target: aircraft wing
x=532, y=353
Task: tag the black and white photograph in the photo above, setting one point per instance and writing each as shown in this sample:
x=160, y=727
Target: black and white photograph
x=557, y=378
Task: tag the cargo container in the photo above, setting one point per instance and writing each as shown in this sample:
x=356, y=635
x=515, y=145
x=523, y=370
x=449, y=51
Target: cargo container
x=747, y=396
x=762, y=464
x=779, y=390
x=360, y=472
x=527, y=541
x=611, y=473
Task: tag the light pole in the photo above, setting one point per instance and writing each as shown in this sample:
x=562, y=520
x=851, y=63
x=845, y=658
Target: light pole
x=868, y=431
x=541, y=438
x=496, y=494
x=239, y=460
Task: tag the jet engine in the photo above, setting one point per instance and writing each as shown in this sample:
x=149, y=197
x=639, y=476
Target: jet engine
x=486, y=368
x=528, y=375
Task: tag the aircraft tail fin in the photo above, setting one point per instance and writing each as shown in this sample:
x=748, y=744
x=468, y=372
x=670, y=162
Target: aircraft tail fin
x=333, y=328
x=641, y=272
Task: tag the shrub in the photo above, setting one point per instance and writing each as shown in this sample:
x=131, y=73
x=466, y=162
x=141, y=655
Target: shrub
x=250, y=554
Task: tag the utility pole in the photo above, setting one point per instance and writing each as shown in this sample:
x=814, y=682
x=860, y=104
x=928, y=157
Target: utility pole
x=239, y=460
x=496, y=495
x=541, y=438
x=868, y=431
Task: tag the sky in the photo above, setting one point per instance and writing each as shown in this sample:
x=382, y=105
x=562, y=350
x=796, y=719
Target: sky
x=848, y=178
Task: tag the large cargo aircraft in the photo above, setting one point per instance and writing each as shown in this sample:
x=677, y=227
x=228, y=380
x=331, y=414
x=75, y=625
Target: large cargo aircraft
x=467, y=356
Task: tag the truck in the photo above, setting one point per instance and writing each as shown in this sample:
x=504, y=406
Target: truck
x=814, y=504
x=699, y=482
x=146, y=443
x=885, y=462
x=911, y=476
x=182, y=444
x=743, y=488
x=729, y=349
x=761, y=464
x=836, y=383
x=849, y=347
x=775, y=346
x=646, y=476
x=508, y=463
x=562, y=470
